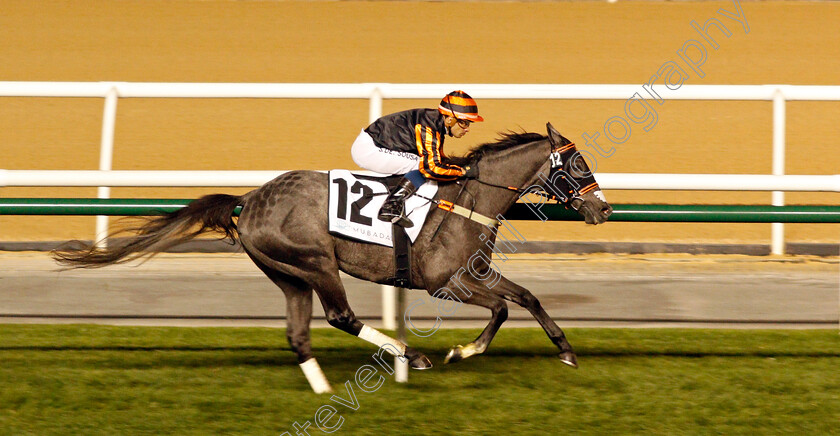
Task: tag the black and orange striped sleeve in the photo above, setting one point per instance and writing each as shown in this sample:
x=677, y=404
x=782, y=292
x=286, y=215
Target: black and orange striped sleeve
x=431, y=162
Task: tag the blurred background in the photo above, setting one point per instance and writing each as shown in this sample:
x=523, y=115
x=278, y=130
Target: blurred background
x=414, y=42
x=724, y=377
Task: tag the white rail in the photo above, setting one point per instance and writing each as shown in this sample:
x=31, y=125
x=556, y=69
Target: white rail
x=409, y=90
x=376, y=92
x=612, y=181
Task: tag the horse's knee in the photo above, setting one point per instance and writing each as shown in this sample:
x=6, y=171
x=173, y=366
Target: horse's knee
x=301, y=345
x=345, y=321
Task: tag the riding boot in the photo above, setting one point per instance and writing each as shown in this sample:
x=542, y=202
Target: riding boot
x=393, y=210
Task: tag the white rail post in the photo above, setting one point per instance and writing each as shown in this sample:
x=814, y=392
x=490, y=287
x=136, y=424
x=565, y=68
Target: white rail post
x=375, y=109
x=106, y=157
x=401, y=366
x=777, y=236
x=393, y=299
x=389, y=302
x=389, y=293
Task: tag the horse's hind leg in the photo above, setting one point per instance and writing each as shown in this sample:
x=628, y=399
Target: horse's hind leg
x=334, y=299
x=298, y=316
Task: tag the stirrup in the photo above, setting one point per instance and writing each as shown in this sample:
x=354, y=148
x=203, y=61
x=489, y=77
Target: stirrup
x=398, y=219
x=403, y=222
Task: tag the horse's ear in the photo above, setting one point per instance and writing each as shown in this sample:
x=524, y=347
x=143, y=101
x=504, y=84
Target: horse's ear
x=553, y=135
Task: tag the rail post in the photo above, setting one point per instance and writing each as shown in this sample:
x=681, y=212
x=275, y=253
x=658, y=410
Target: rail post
x=106, y=158
x=388, y=292
x=401, y=366
x=392, y=298
x=777, y=230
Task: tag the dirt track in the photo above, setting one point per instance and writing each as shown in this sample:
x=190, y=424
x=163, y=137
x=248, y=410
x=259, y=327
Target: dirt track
x=458, y=42
x=608, y=290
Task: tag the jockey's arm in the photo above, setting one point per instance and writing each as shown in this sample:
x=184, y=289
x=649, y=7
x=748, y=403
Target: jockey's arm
x=432, y=164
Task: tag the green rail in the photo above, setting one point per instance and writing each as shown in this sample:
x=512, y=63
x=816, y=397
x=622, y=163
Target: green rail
x=694, y=213
x=91, y=206
x=622, y=212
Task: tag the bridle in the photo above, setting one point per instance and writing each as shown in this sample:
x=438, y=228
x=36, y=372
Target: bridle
x=561, y=181
x=569, y=191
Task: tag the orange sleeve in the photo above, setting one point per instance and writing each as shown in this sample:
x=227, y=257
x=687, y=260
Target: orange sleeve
x=431, y=154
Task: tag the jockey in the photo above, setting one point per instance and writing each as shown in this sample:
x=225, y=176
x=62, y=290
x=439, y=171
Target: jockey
x=411, y=143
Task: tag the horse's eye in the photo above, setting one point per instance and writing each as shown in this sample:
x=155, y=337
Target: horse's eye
x=578, y=167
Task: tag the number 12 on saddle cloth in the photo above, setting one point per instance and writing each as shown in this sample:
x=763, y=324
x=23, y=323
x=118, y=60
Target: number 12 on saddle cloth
x=355, y=201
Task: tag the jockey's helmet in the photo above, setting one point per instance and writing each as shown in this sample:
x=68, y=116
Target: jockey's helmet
x=460, y=105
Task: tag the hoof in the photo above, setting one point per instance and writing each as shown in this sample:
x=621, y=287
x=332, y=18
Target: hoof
x=569, y=358
x=420, y=362
x=454, y=355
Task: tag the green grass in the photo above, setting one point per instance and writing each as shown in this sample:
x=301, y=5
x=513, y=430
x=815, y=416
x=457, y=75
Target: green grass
x=91, y=380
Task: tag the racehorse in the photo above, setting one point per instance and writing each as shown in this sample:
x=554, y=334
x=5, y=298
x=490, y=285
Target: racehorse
x=283, y=228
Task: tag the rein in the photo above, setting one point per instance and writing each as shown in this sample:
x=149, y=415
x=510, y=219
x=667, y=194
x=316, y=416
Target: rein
x=463, y=187
x=469, y=214
x=567, y=201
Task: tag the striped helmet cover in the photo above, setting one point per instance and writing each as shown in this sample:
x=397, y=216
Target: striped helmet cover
x=460, y=105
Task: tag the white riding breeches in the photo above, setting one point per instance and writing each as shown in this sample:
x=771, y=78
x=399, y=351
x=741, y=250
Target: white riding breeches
x=370, y=157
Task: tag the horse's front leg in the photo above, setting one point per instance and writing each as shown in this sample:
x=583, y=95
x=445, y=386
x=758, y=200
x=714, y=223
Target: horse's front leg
x=499, y=311
x=510, y=291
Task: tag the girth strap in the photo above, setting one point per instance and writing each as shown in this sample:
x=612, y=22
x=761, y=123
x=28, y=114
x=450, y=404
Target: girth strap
x=402, y=258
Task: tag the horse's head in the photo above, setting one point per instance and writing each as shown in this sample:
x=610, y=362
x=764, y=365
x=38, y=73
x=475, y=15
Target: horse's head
x=571, y=181
x=519, y=159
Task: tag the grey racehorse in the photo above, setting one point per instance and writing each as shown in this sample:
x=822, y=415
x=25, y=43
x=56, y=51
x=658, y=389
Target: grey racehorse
x=283, y=227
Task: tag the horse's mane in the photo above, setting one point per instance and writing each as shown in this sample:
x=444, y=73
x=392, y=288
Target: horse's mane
x=504, y=141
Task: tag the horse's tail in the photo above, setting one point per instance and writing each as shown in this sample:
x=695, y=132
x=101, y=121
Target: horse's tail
x=209, y=213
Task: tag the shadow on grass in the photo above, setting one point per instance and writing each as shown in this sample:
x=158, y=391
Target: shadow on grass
x=114, y=347
x=139, y=357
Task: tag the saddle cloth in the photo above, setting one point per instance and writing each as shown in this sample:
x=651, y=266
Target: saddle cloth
x=355, y=200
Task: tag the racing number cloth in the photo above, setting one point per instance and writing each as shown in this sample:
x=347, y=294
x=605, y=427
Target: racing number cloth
x=355, y=201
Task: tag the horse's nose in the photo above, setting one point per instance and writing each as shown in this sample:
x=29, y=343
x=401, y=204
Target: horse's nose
x=607, y=211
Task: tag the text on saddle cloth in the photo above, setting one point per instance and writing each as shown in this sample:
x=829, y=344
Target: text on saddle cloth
x=355, y=201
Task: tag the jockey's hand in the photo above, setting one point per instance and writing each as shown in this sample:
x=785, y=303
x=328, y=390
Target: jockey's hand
x=471, y=172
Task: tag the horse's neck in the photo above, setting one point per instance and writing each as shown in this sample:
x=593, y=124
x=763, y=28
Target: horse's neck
x=517, y=167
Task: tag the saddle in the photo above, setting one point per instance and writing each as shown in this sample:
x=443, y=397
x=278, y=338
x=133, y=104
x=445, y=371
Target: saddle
x=400, y=239
x=354, y=202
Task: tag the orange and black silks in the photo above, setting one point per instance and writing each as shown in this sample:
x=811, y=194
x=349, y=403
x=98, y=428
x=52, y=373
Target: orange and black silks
x=420, y=132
